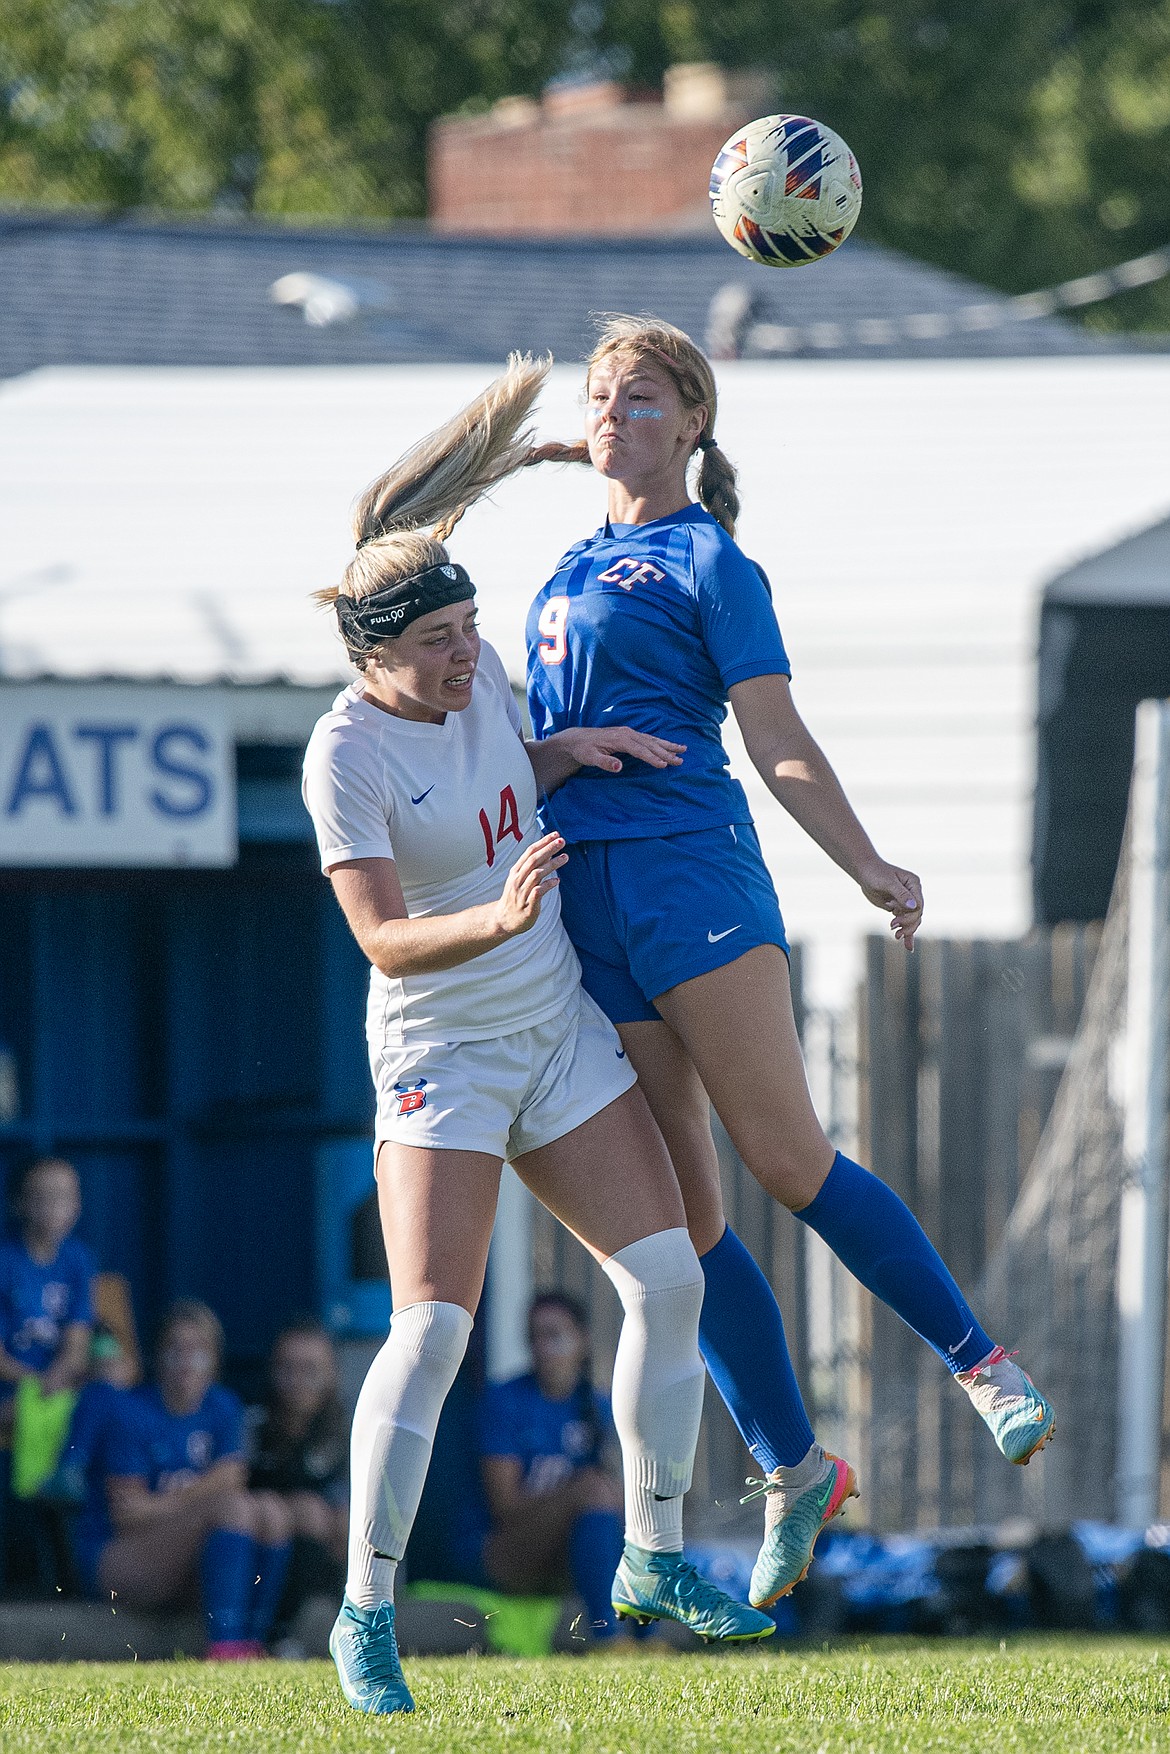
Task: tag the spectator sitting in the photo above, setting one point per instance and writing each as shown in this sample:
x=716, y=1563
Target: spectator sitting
x=46, y=1299
x=300, y=1451
x=167, y=1507
x=546, y=1443
x=46, y=1284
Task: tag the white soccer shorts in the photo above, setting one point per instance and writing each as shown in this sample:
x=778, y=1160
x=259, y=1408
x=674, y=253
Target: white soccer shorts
x=506, y=1096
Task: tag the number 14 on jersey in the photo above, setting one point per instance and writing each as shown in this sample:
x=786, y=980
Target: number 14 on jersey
x=508, y=824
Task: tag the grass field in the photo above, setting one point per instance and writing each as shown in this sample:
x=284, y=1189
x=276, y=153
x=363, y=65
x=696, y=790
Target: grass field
x=1076, y=1697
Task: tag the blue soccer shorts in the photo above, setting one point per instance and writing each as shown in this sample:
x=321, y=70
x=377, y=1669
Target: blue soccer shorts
x=645, y=915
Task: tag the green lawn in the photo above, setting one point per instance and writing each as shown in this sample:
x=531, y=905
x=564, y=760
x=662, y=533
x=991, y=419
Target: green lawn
x=1077, y=1697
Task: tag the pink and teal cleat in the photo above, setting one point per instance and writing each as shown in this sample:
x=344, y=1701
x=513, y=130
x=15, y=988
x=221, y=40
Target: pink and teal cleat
x=793, y=1518
x=1010, y=1405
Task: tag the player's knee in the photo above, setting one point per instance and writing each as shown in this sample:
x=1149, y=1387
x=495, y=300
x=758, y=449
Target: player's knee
x=273, y=1519
x=233, y=1510
x=791, y=1173
x=311, y=1516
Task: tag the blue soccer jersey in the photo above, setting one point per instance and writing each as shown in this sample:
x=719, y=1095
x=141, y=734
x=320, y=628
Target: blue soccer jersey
x=134, y=1434
x=650, y=625
x=550, y=1439
x=167, y=1449
x=38, y=1303
x=140, y=1437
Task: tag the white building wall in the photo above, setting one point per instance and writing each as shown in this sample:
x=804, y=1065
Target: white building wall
x=173, y=523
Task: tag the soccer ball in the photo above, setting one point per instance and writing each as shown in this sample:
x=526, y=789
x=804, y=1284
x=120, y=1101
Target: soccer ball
x=785, y=190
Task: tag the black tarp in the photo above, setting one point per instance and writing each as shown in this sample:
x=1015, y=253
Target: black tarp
x=1104, y=646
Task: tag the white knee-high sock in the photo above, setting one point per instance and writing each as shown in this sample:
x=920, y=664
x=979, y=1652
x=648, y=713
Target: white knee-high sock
x=657, y=1382
x=393, y=1433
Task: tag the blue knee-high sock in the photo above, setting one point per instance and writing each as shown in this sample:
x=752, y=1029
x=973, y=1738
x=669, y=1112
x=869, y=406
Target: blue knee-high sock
x=227, y=1568
x=741, y=1337
x=878, y=1238
x=267, y=1588
x=595, y=1547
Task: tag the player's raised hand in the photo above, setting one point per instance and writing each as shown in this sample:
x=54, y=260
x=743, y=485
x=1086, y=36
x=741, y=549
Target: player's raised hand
x=597, y=746
x=898, y=893
x=528, y=882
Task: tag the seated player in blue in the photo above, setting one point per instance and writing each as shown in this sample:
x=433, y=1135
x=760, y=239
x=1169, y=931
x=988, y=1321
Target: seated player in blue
x=547, y=1446
x=167, y=1518
x=46, y=1299
x=46, y=1284
x=659, y=621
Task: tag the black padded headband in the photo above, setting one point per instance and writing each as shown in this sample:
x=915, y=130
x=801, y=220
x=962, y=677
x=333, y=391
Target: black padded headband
x=366, y=621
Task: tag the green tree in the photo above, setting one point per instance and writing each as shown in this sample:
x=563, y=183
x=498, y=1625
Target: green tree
x=294, y=107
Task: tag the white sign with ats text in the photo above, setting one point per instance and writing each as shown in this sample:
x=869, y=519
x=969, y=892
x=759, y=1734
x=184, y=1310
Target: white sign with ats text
x=106, y=774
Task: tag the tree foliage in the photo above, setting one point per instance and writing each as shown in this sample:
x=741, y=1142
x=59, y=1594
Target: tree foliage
x=280, y=107
x=1019, y=143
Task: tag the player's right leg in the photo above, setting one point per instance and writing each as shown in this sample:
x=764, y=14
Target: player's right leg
x=756, y=1082
x=437, y=1209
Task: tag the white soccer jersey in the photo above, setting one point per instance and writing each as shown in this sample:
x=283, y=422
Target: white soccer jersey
x=454, y=805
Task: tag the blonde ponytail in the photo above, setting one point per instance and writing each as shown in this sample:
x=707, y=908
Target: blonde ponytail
x=445, y=473
x=435, y=483
x=716, y=486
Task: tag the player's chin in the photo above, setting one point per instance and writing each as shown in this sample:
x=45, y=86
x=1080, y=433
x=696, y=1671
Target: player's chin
x=606, y=457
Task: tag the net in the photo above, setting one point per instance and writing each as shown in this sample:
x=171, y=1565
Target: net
x=1052, y=1278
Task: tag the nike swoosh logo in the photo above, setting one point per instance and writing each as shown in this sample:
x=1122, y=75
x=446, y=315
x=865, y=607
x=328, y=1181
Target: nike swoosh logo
x=425, y=794
x=714, y=937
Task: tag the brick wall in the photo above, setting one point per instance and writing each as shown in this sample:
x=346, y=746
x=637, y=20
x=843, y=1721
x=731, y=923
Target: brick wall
x=588, y=158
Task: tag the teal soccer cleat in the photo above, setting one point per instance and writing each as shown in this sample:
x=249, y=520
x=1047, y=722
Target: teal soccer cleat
x=793, y=1519
x=665, y=1586
x=363, y=1646
x=1010, y=1405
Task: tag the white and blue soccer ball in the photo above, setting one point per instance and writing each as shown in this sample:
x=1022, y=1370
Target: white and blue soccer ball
x=785, y=190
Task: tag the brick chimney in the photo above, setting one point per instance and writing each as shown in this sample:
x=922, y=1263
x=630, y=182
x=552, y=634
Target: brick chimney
x=594, y=159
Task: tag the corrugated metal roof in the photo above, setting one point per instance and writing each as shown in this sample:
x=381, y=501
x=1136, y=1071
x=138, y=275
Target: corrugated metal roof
x=82, y=291
x=175, y=522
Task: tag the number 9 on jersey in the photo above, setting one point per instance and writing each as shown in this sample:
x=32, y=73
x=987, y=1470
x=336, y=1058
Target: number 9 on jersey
x=553, y=620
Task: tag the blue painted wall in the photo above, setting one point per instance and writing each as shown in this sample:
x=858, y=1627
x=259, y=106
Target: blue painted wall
x=191, y=1040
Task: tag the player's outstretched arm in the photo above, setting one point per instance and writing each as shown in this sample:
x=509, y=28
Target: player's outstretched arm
x=372, y=901
x=559, y=757
x=797, y=773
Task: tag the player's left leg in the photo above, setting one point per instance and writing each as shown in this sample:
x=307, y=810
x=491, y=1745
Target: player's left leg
x=609, y=1181
x=755, y=1078
x=659, y=897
